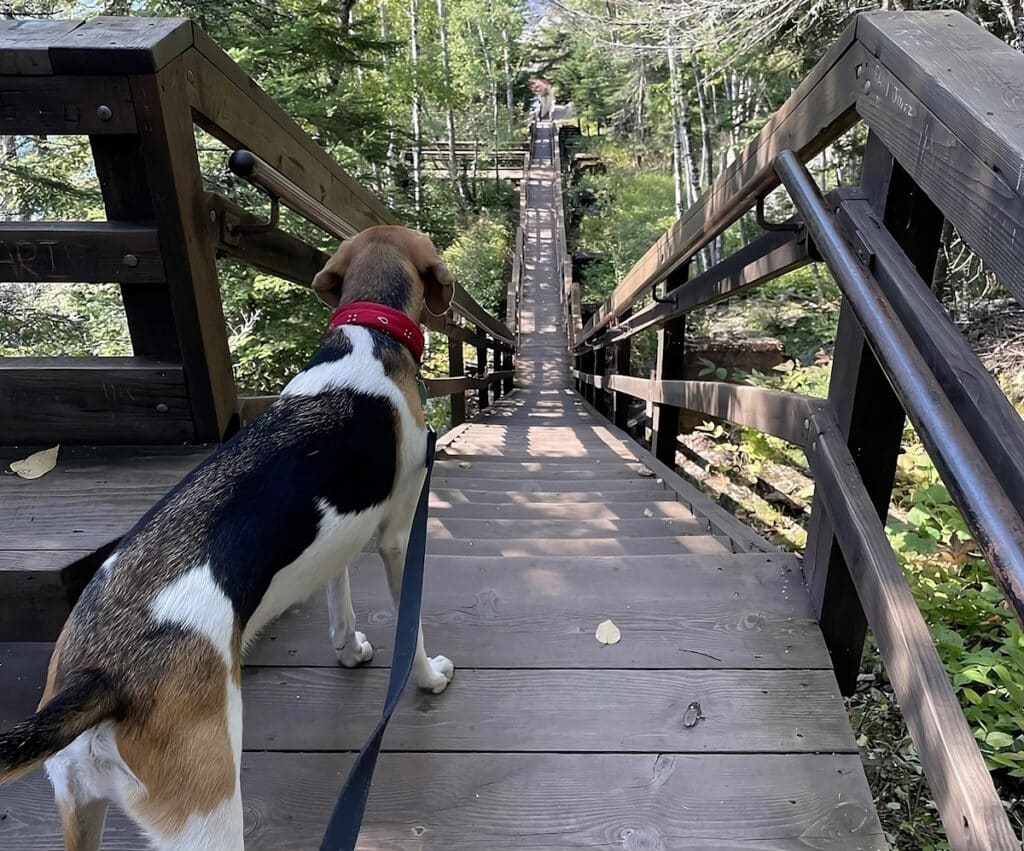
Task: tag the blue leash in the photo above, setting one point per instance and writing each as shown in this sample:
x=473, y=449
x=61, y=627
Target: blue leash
x=343, y=828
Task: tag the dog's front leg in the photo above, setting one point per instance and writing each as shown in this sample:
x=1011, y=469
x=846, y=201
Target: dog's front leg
x=431, y=674
x=350, y=645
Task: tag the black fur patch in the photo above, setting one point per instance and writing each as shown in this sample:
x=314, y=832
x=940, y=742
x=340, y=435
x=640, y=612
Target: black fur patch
x=251, y=508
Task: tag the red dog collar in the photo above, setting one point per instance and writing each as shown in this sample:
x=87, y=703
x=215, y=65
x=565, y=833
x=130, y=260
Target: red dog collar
x=392, y=322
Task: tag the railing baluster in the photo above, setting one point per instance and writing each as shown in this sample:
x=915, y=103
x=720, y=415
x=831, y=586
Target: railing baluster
x=670, y=366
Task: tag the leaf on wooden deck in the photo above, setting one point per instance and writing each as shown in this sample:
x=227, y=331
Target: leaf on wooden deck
x=608, y=633
x=465, y=465
x=648, y=512
x=646, y=472
x=37, y=464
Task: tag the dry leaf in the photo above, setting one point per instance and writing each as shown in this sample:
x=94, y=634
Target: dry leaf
x=646, y=473
x=37, y=464
x=464, y=465
x=862, y=741
x=648, y=512
x=608, y=633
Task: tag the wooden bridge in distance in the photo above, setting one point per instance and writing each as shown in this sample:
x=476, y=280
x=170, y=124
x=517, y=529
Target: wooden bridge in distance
x=717, y=721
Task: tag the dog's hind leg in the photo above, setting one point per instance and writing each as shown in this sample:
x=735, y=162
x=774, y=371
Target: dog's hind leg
x=350, y=646
x=430, y=674
x=82, y=823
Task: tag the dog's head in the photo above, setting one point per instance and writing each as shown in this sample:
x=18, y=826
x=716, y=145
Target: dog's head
x=389, y=265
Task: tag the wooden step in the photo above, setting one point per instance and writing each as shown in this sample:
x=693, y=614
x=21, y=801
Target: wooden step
x=514, y=497
x=580, y=472
x=439, y=528
x=668, y=545
x=528, y=802
x=543, y=485
x=691, y=611
x=561, y=511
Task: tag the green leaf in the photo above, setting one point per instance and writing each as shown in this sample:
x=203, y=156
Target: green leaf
x=999, y=739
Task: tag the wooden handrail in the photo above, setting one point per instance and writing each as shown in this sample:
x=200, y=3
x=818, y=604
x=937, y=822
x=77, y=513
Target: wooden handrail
x=939, y=146
x=136, y=87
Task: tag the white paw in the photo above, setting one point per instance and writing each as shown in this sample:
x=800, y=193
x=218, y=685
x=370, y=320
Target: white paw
x=441, y=672
x=355, y=652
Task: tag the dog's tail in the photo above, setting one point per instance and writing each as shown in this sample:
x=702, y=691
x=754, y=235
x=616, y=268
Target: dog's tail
x=86, y=698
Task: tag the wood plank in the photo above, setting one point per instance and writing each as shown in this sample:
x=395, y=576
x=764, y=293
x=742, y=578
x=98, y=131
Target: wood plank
x=476, y=530
x=616, y=500
x=560, y=511
x=721, y=521
x=969, y=78
x=763, y=260
x=25, y=44
x=79, y=252
x=273, y=251
x=92, y=400
x=477, y=802
x=675, y=611
x=568, y=711
x=515, y=547
x=169, y=152
x=535, y=469
x=120, y=45
x=65, y=105
x=771, y=411
x=966, y=798
x=986, y=205
x=540, y=485
x=121, y=171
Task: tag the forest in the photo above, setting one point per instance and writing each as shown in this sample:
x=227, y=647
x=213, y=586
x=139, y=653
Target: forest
x=659, y=98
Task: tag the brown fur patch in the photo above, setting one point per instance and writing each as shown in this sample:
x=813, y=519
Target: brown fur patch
x=181, y=750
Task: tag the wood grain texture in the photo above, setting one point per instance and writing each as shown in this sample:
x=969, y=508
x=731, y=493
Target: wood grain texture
x=120, y=45
x=25, y=44
x=966, y=798
x=507, y=547
x=440, y=528
x=530, y=802
x=64, y=105
x=92, y=400
x=560, y=511
x=80, y=252
x=310, y=709
x=986, y=205
x=675, y=611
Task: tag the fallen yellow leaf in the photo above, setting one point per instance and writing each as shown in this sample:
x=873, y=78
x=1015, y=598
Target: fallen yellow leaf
x=608, y=633
x=37, y=464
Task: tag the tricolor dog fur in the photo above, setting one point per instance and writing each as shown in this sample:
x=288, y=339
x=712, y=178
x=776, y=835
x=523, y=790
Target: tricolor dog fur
x=142, y=705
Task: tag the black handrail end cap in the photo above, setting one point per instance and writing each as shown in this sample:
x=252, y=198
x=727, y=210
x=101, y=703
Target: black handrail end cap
x=243, y=163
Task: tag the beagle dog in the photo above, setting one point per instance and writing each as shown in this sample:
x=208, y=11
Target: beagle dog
x=142, y=705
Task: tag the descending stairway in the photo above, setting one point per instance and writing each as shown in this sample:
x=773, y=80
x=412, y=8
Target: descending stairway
x=714, y=723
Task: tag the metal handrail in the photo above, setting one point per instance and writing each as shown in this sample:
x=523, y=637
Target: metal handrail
x=261, y=174
x=989, y=513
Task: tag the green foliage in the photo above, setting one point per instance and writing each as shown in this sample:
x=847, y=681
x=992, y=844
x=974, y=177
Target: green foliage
x=478, y=259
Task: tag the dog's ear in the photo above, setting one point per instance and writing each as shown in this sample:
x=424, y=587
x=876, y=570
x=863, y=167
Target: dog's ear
x=328, y=281
x=438, y=287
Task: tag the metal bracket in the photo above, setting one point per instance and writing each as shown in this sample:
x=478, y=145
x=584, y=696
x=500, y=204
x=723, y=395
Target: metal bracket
x=235, y=228
x=766, y=225
x=661, y=299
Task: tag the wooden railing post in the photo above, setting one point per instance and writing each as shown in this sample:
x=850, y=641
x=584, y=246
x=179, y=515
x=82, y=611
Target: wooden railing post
x=498, y=385
x=620, y=366
x=601, y=396
x=868, y=413
x=484, y=399
x=508, y=363
x=669, y=366
x=456, y=368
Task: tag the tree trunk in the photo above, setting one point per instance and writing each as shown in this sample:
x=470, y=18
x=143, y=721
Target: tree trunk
x=446, y=70
x=417, y=138
x=940, y=276
x=675, y=97
x=707, y=174
x=507, y=58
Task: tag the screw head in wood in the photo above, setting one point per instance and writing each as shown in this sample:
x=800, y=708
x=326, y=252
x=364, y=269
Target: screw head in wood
x=867, y=86
x=161, y=408
x=104, y=113
x=130, y=260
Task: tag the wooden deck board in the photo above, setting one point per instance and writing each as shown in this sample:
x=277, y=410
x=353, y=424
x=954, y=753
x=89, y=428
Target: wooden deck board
x=545, y=521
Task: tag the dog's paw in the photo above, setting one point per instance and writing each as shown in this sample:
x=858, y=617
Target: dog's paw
x=441, y=672
x=355, y=652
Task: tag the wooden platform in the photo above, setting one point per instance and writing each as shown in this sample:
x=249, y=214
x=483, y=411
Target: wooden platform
x=715, y=723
